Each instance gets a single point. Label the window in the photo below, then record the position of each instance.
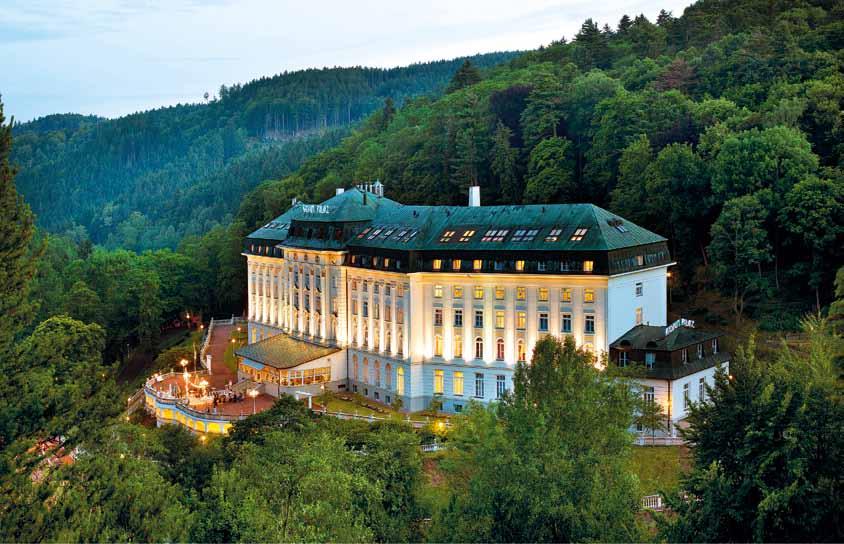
(479, 348)
(499, 266)
(589, 324)
(446, 236)
(377, 373)
(588, 296)
(354, 307)
(438, 264)
(438, 291)
(520, 351)
(553, 235)
(565, 294)
(458, 317)
(467, 235)
(639, 289)
(566, 323)
(457, 291)
(365, 308)
(541, 266)
(479, 386)
(499, 349)
(714, 346)
(400, 380)
(388, 313)
(650, 359)
(700, 351)
(456, 264)
(438, 317)
(521, 293)
(684, 355)
(399, 315)
(648, 394)
(638, 316)
(499, 293)
(457, 384)
(579, 234)
(494, 235)
(686, 398)
(543, 321)
(640, 260)
(388, 374)
(477, 265)
(499, 319)
(623, 358)
(588, 266)
(479, 293)
(458, 347)
(500, 386)
(479, 319)
(438, 382)
(458, 408)
(521, 320)
(520, 266)
(542, 294)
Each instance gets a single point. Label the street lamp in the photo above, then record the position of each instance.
(253, 393)
(203, 384)
(186, 375)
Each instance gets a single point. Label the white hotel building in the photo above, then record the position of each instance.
(361, 293)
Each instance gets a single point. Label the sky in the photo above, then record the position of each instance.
(114, 57)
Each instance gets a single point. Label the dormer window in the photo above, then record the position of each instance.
(446, 236)
(554, 235)
(467, 235)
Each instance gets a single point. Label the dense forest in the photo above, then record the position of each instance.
(181, 170)
(721, 129)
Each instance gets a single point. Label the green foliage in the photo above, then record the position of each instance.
(551, 172)
(550, 462)
(767, 450)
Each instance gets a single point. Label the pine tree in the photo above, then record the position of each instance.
(624, 24)
(503, 164)
(465, 76)
(17, 258)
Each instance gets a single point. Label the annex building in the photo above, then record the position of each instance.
(391, 301)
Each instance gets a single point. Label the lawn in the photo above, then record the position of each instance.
(229, 358)
(659, 467)
(361, 406)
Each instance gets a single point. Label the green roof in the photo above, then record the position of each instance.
(283, 351)
(387, 224)
(654, 338)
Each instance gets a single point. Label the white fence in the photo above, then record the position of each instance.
(652, 502)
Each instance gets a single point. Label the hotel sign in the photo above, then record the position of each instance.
(317, 208)
(679, 323)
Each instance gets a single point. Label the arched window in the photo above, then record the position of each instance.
(355, 369)
(400, 380)
(365, 334)
(438, 346)
(365, 370)
(520, 350)
(388, 371)
(399, 343)
(377, 373)
(479, 348)
(499, 349)
(387, 346)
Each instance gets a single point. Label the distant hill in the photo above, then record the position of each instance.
(147, 179)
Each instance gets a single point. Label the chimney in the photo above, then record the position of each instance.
(339, 191)
(474, 196)
(294, 201)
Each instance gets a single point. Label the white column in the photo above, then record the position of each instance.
(250, 269)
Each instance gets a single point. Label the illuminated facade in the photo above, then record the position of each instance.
(423, 302)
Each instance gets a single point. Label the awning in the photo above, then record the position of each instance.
(256, 366)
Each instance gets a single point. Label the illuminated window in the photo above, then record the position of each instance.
(521, 320)
(438, 346)
(455, 264)
(521, 293)
(467, 235)
(588, 266)
(499, 349)
(553, 235)
(494, 235)
(520, 266)
(589, 296)
(499, 319)
(457, 383)
(457, 291)
(438, 382)
(520, 351)
(479, 292)
(400, 380)
(438, 264)
(640, 260)
(438, 291)
(638, 316)
(579, 234)
(499, 293)
(479, 348)
(565, 294)
(446, 236)
(458, 346)
(543, 294)
(478, 265)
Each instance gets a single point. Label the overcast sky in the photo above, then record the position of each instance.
(113, 57)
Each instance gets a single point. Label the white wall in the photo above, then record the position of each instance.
(622, 300)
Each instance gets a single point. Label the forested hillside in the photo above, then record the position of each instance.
(721, 129)
(182, 169)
